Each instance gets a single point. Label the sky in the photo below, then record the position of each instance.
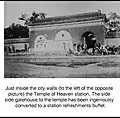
(13, 9)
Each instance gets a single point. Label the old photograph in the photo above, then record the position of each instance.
(61, 39)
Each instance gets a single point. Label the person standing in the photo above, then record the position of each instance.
(26, 47)
(13, 48)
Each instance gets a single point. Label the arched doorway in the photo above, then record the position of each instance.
(89, 39)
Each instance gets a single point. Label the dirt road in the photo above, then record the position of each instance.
(109, 69)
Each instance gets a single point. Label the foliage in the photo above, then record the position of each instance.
(34, 17)
(16, 31)
(113, 16)
(19, 31)
(113, 22)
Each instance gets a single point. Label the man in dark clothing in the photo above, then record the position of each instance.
(25, 47)
(13, 48)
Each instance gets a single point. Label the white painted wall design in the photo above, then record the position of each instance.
(63, 35)
(62, 42)
(65, 39)
(40, 42)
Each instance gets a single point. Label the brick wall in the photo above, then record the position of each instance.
(75, 32)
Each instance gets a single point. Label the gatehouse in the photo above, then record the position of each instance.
(62, 33)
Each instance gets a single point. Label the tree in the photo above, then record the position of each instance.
(113, 16)
(42, 15)
(113, 21)
(25, 18)
(16, 31)
(33, 18)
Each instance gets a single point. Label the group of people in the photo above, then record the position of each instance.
(12, 49)
(98, 49)
(92, 47)
(89, 47)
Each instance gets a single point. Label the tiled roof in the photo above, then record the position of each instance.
(69, 18)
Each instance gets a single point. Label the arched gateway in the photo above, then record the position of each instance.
(89, 39)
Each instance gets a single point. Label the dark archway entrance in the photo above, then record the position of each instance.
(89, 39)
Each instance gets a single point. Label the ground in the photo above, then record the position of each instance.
(62, 67)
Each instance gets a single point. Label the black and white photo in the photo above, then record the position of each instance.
(62, 39)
